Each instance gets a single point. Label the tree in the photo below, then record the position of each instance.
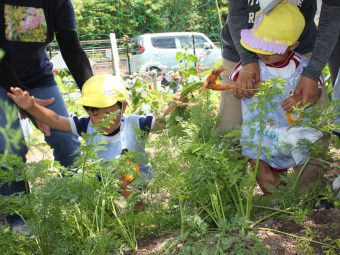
(98, 18)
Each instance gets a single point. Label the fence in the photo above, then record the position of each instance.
(99, 53)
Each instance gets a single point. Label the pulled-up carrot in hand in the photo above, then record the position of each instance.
(212, 83)
(220, 87)
(211, 80)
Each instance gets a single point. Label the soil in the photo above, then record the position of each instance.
(322, 223)
(153, 246)
(38, 149)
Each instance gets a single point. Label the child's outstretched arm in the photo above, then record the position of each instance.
(26, 102)
(177, 101)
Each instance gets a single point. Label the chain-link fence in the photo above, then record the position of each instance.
(99, 53)
(143, 53)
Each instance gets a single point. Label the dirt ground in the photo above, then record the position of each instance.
(323, 224)
(38, 149)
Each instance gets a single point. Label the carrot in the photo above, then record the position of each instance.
(212, 83)
(212, 77)
(220, 87)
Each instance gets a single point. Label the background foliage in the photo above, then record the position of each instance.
(97, 18)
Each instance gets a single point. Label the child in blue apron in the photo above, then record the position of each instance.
(273, 38)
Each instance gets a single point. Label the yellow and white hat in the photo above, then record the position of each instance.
(103, 90)
(274, 32)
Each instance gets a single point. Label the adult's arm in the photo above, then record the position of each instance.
(237, 20)
(328, 32)
(74, 56)
(250, 74)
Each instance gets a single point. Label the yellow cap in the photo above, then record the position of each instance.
(103, 90)
(274, 32)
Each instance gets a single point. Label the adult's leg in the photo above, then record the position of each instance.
(334, 61)
(315, 169)
(20, 149)
(336, 97)
(230, 114)
(64, 144)
(336, 89)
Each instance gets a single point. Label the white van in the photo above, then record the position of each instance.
(158, 51)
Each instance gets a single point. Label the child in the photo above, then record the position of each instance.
(273, 38)
(102, 95)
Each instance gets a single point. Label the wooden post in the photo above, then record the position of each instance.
(194, 48)
(154, 79)
(115, 55)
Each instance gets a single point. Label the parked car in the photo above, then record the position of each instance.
(158, 51)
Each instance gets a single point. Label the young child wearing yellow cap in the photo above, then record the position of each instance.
(102, 95)
(273, 38)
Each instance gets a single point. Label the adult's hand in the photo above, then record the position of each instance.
(44, 102)
(248, 80)
(309, 90)
(45, 129)
(290, 102)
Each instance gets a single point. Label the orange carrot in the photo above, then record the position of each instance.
(212, 77)
(220, 87)
(212, 83)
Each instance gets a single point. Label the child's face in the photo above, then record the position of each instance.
(271, 59)
(97, 116)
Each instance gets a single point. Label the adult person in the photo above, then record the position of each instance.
(26, 28)
(274, 44)
(327, 48)
(241, 16)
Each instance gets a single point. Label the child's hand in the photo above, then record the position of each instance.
(248, 80)
(291, 101)
(21, 98)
